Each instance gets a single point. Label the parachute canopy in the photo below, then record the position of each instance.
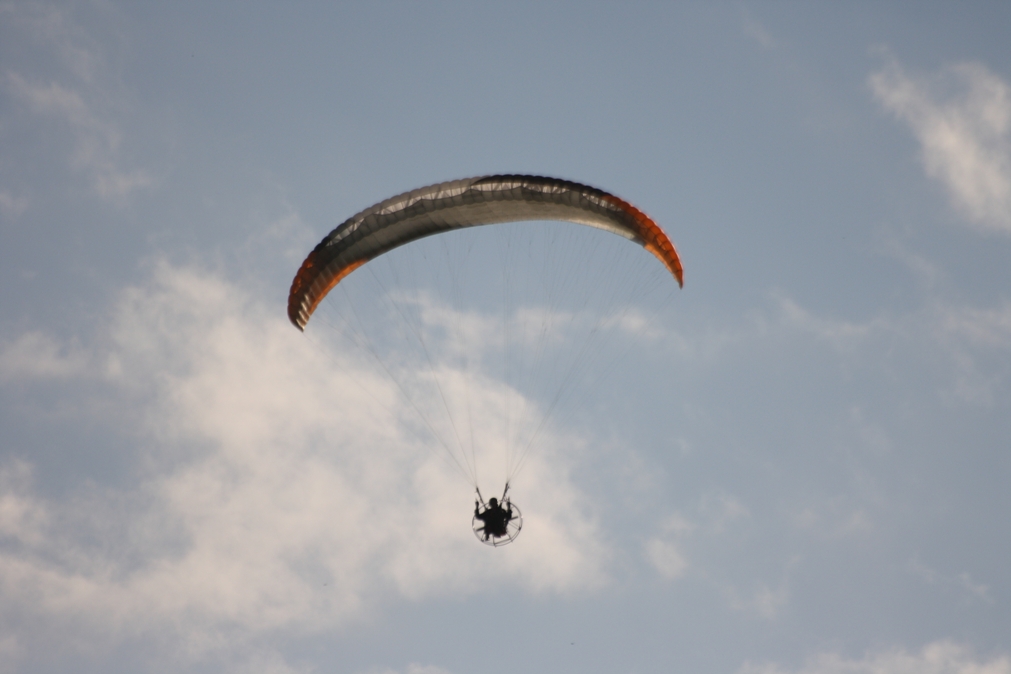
(466, 203)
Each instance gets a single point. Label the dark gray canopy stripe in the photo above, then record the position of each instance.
(465, 203)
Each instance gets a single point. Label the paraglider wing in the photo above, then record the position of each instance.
(466, 203)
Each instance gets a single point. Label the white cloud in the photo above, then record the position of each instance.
(12, 206)
(663, 551)
(764, 601)
(22, 517)
(940, 657)
(35, 355)
(768, 601)
(666, 558)
(962, 118)
(413, 668)
(274, 493)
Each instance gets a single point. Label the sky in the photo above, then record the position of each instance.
(798, 464)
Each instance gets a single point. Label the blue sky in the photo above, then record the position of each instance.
(802, 467)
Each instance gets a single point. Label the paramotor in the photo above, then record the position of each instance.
(535, 335)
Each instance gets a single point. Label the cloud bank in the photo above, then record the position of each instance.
(269, 495)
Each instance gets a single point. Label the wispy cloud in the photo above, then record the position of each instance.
(35, 355)
(967, 344)
(53, 27)
(764, 600)
(76, 96)
(940, 657)
(666, 549)
(963, 582)
(841, 334)
(663, 551)
(12, 206)
(989, 327)
(754, 29)
(97, 141)
(962, 118)
(976, 341)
